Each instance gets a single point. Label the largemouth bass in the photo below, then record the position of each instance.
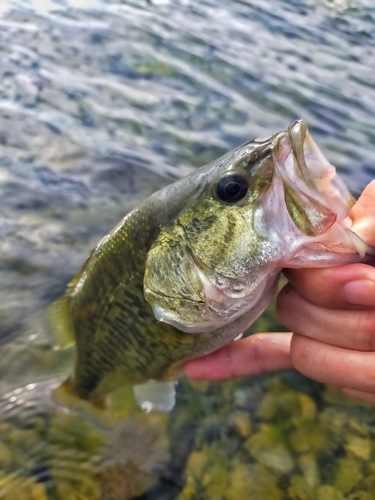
(195, 264)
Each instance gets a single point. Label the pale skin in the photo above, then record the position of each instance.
(333, 339)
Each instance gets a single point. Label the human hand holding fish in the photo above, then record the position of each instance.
(332, 314)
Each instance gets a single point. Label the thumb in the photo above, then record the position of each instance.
(362, 215)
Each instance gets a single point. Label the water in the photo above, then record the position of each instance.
(100, 106)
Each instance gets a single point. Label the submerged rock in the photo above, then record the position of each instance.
(242, 423)
(308, 437)
(299, 489)
(15, 487)
(310, 469)
(267, 447)
(253, 482)
(327, 492)
(123, 482)
(348, 474)
(133, 457)
(359, 446)
(361, 495)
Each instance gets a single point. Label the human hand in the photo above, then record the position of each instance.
(335, 336)
(334, 339)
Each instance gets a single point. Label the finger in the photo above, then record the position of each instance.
(364, 396)
(343, 287)
(363, 215)
(344, 328)
(334, 365)
(260, 353)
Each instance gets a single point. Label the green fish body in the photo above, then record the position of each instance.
(194, 265)
(118, 340)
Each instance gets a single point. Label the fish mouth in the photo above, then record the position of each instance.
(304, 176)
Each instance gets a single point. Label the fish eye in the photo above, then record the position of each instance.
(232, 188)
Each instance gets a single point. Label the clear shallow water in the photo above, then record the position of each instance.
(100, 106)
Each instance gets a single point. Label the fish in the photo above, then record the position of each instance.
(191, 267)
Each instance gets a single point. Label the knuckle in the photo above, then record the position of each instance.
(284, 301)
(365, 330)
(258, 359)
(255, 359)
(301, 355)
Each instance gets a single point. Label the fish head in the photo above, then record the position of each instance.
(274, 202)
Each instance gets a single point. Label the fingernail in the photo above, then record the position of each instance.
(347, 222)
(364, 227)
(282, 339)
(360, 292)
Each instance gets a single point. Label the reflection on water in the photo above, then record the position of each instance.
(100, 106)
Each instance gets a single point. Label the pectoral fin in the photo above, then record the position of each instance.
(155, 395)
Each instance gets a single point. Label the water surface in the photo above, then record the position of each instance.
(102, 105)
